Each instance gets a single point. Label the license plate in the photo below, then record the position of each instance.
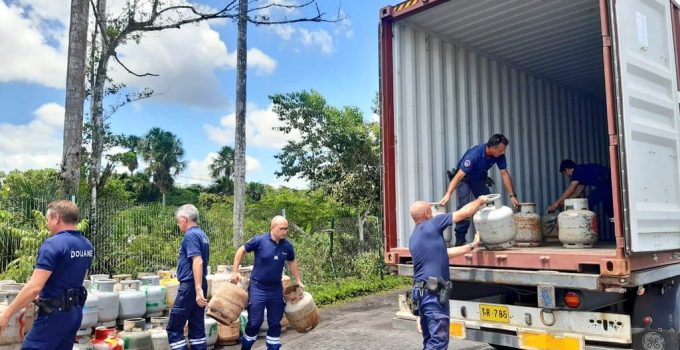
(545, 341)
(494, 313)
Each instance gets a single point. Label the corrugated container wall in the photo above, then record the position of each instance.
(448, 98)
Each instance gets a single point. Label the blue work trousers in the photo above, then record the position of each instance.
(185, 309)
(56, 331)
(261, 297)
(434, 319)
(602, 194)
(466, 192)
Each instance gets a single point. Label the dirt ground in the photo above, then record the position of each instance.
(365, 324)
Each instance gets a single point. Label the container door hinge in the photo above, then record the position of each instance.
(606, 41)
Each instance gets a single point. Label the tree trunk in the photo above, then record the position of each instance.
(240, 134)
(361, 218)
(96, 115)
(75, 96)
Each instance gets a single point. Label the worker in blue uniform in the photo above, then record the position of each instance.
(271, 250)
(431, 278)
(470, 180)
(62, 263)
(595, 176)
(192, 268)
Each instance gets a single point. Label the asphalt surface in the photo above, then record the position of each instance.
(365, 324)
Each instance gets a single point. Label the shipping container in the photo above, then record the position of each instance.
(590, 80)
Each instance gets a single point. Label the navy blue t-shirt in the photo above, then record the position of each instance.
(68, 254)
(591, 175)
(269, 258)
(475, 164)
(428, 248)
(194, 243)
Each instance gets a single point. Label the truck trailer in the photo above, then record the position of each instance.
(595, 81)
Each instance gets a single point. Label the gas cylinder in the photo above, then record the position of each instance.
(577, 224)
(106, 338)
(550, 227)
(439, 210)
(210, 332)
(27, 314)
(156, 296)
(228, 334)
(12, 335)
(495, 224)
(227, 303)
(215, 280)
(90, 311)
(118, 278)
(159, 336)
(132, 301)
(302, 314)
(108, 302)
(95, 278)
(134, 335)
(171, 285)
(527, 226)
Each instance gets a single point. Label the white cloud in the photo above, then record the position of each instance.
(375, 118)
(319, 38)
(35, 145)
(198, 170)
(34, 50)
(260, 62)
(186, 61)
(294, 182)
(25, 52)
(259, 129)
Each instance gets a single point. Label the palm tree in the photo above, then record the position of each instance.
(163, 151)
(222, 169)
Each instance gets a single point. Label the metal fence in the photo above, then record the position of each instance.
(131, 238)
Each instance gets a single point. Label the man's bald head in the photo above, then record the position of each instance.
(277, 220)
(420, 211)
(279, 228)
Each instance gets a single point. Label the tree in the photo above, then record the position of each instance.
(75, 98)
(337, 151)
(163, 152)
(240, 129)
(223, 165)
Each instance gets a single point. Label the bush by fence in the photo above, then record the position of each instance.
(144, 237)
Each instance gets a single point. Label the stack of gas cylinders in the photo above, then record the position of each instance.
(501, 228)
(123, 313)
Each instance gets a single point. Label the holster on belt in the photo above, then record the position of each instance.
(65, 303)
(437, 285)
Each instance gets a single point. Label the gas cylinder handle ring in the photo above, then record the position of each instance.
(491, 198)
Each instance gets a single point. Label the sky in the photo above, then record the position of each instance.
(195, 88)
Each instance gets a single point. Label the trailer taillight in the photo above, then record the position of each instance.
(572, 299)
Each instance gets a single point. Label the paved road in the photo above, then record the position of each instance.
(365, 324)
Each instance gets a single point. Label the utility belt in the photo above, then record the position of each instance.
(488, 182)
(70, 298)
(433, 285)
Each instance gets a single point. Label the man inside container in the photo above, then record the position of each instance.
(62, 262)
(431, 277)
(265, 291)
(192, 269)
(470, 180)
(595, 176)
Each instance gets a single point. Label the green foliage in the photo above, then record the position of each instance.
(347, 288)
(336, 151)
(30, 239)
(163, 151)
(18, 186)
